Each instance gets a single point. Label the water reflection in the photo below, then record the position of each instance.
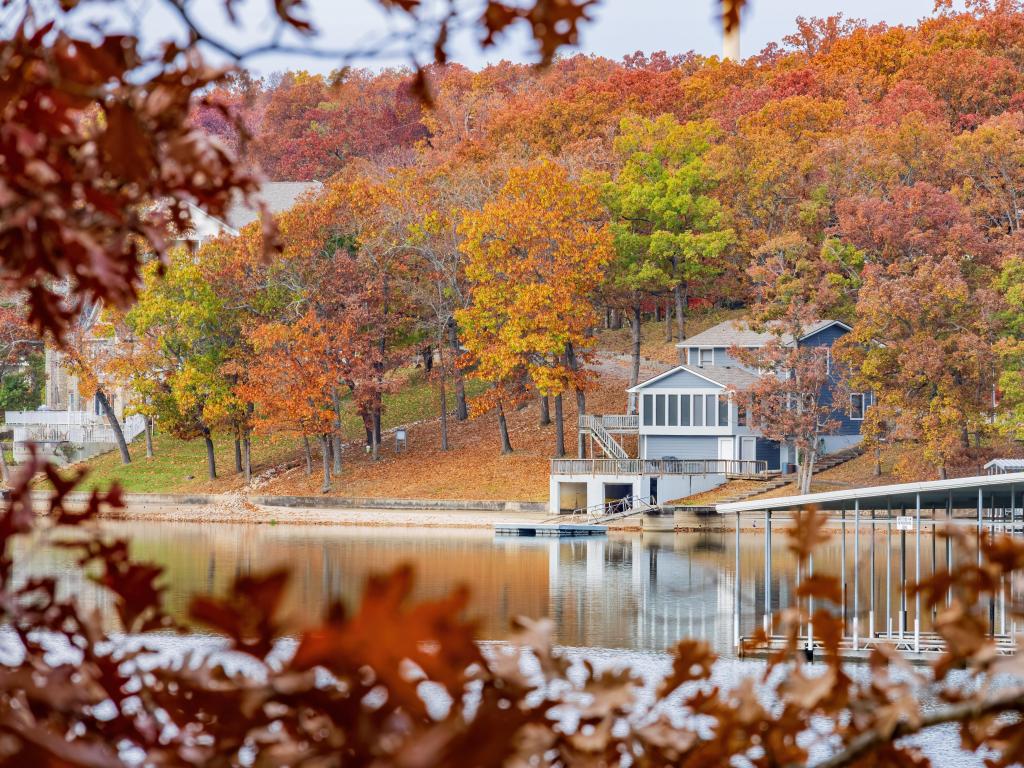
(625, 591)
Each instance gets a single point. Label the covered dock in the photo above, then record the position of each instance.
(876, 606)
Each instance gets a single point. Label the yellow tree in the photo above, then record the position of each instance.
(536, 254)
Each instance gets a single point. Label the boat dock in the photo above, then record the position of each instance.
(549, 529)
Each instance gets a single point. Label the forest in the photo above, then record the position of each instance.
(865, 173)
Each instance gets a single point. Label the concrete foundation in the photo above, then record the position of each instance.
(594, 490)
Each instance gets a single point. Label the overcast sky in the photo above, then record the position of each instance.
(620, 27)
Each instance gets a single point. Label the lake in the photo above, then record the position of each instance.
(627, 591)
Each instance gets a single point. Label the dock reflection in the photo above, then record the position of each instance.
(636, 591)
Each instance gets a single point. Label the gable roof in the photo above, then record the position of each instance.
(279, 197)
(720, 375)
(738, 333)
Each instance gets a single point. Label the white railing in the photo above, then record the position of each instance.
(657, 467)
(612, 423)
(63, 418)
(76, 427)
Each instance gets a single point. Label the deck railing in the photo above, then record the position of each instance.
(657, 467)
(612, 423)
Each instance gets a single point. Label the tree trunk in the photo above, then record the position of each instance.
(574, 366)
(679, 293)
(309, 455)
(878, 460)
(211, 460)
(428, 358)
(545, 411)
(634, 374)
(616, 320)
(461, 409)
(247, 444)
(238, 455)
(443, 405)
(115, 426)
(506, 444)
(149, 437)
(336, 438)
(376, 434)
(5, 472)
(807, 469)
(559, 428)
(668, 322)
(325, 459)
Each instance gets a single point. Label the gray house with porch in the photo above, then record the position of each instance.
(690, 434)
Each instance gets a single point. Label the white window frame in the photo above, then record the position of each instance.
(863, 405)
(700, 356)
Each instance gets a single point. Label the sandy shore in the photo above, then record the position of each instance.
(240, 510)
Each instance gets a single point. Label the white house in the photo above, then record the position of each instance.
(691, 436)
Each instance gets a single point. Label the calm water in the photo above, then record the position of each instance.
(619, 598)
(626, 591)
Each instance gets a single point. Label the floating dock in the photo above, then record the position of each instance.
(549, 529)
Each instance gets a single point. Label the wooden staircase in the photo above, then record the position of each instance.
(824, 463)
(837, 458)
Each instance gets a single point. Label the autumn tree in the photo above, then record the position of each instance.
(923, 345)
(1010, 349)
(188, 333)
(669, 231)
(292, 379)
(789, 402)
(535, 256)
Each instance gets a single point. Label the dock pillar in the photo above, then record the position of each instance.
(856, 573)
(736, 589)
(917, 575)
(659, 520)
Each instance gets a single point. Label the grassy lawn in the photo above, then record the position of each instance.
(179, 466)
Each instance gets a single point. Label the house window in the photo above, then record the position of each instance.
(659, 410)
(707, 357)
(723, 411)
(684, 410)
(648, 410)
(828, 360)
(673, 411)
(857, 405)
(710, 411)
(698, 410)
(741, 415)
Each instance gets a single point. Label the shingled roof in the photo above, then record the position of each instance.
(279, 197)
(723, 375)
(737, 333)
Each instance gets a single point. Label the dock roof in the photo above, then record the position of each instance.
(1001, 491)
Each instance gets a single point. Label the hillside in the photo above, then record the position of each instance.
(473, 468)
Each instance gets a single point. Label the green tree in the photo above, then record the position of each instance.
(186, 335)
(669, 231)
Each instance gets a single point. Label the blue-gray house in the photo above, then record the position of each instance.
(690, 434)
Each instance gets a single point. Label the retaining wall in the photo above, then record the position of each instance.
(317, 502)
